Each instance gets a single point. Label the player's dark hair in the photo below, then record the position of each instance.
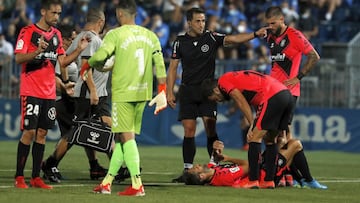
(274, 11)
(66, 30)
(190, 13)
(207, 87)
(128, 5)
(192, 179)
(94, 14)
(45, 4)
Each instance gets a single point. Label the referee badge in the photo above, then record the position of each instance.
(205, 48)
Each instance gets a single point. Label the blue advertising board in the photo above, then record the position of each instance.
(317, 128)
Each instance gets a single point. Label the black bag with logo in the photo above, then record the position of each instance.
(92, 133)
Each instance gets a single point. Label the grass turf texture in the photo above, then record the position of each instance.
(337, 170)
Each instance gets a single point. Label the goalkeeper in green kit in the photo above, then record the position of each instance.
(129, 51)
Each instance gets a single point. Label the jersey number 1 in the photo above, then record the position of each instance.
(139, 54)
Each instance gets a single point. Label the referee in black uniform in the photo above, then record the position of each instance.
(196, 50)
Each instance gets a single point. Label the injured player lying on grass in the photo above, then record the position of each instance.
(233, 172)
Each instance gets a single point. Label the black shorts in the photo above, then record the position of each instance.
(193, 104)
(65, 109)
(83, 108)
(274, 113)
(294, 99)
(37, 113)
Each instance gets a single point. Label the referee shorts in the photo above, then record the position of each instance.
(193, 104)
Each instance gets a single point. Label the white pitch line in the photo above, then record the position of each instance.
(176, 184)
(148, 173)
(86, 185)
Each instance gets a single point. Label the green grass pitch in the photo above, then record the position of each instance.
(338, 170)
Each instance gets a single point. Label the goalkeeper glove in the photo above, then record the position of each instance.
(84, 71)
(109, 64)
(159, 99)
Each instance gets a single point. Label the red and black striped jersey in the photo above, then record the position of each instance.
(256, 87)
(227, 175)
(286, 53)
(38, 76)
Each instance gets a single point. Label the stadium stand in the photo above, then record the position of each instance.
(329, 14)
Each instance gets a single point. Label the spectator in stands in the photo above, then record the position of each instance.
(308, 24)
(11, 34)
(248, 47)
(291, 15)
(214, 7)
(6, 48)
(233, 15)
(156, 7)
(79, 15)
(22, 15)
(6, 8)
(173, 14)
(142, 17)
(161, 29)
(6, 57)
(110, 13)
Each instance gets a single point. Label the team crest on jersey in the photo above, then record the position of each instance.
(52, 113)
(280, 162)
(55, 41)
(282, 43)
(205, 48)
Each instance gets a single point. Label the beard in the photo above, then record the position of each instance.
(51, 23)
(277, 32)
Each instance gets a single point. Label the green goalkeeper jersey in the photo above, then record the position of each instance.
(137, 50)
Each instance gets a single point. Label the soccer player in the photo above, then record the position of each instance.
(135, 50)
(234, 172)
(38, 48)
(287, 45)
(196, 50)
(273, 102)
(90, 98)
(64, 102)
(288, 161)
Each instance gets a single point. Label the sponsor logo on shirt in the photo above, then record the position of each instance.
(48, 55)
(278, 57)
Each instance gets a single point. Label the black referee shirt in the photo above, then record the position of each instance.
(197, 55)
